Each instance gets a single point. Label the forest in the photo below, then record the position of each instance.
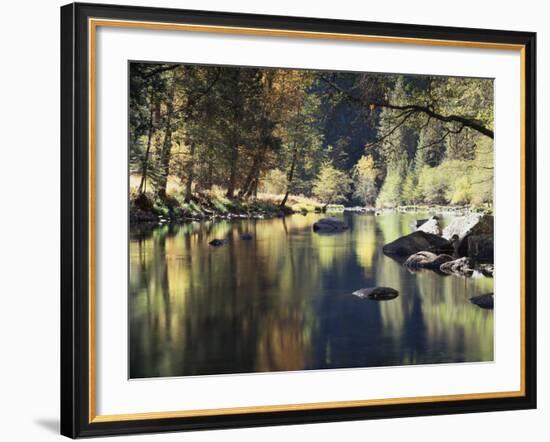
(215, 140)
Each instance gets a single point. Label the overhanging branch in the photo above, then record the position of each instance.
(413, 108)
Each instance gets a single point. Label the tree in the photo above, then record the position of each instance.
(462, 102)
(164, 154)
(299, 131)
(405, 139)
(275, 182)
(433, 185)
(391, 191)
(147, 87)
(482, 177)
(431, 145)
(365, 175)
(332, 185)
(409, 191)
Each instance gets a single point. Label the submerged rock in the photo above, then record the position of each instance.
(427, 260)
(329, 225)
(377, 293)
(485, 301)
(430, 225)
(217, 242)
(247, 236)
(461, 266)
(417, 242)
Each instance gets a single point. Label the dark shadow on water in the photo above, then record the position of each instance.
(50, 424)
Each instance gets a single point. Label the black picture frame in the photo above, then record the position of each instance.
(75, 221)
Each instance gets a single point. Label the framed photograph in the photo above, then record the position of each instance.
(275, 220)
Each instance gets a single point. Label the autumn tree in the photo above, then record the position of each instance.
(332, 185)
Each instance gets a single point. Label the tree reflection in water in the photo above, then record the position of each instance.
(283, 300)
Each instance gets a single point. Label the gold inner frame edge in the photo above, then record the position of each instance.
(93, 24)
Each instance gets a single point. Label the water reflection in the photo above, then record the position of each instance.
(283, 300)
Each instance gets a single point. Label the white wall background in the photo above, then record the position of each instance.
(29, 220)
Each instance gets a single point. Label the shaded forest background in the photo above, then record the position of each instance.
(214, 138)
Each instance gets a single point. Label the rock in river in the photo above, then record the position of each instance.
(417, 242)
(461, 266)
(487, 270)
(377, 293)
(430, 225)
(217, 242)
(247, 236)
(461, 228)
(481, 247)
(427, 260)
(486, 301)
(329, 225)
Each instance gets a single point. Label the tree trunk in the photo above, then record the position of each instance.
(232, 176)
(142, 184)
(190, 173)
(210, 176)
(255, 188)
(247, 187)
(232, 182)
(290, 175)
(166, 145)
(283, 202)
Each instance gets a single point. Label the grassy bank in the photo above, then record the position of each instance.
(148, 207)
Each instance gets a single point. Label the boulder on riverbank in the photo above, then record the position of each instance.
(430, 225)
(486, 301)
(377, 293)
(460, 229)
(329, 225)
(417, 242)
(481, 248)
(427, 260)
(461, 267)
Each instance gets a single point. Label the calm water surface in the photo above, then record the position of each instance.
(283, 300)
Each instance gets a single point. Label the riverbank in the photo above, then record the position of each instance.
(147, 208)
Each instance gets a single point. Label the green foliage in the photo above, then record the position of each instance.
(431, 145)
(332, 185)
(410, 194)
(217, 137)
(460, 182)
(482, 179)
(462, 191)
(390, 193)
(433, 185)
(275, 182)
(365, 175)
(220, 205)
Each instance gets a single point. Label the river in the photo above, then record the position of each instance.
(283, 301)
